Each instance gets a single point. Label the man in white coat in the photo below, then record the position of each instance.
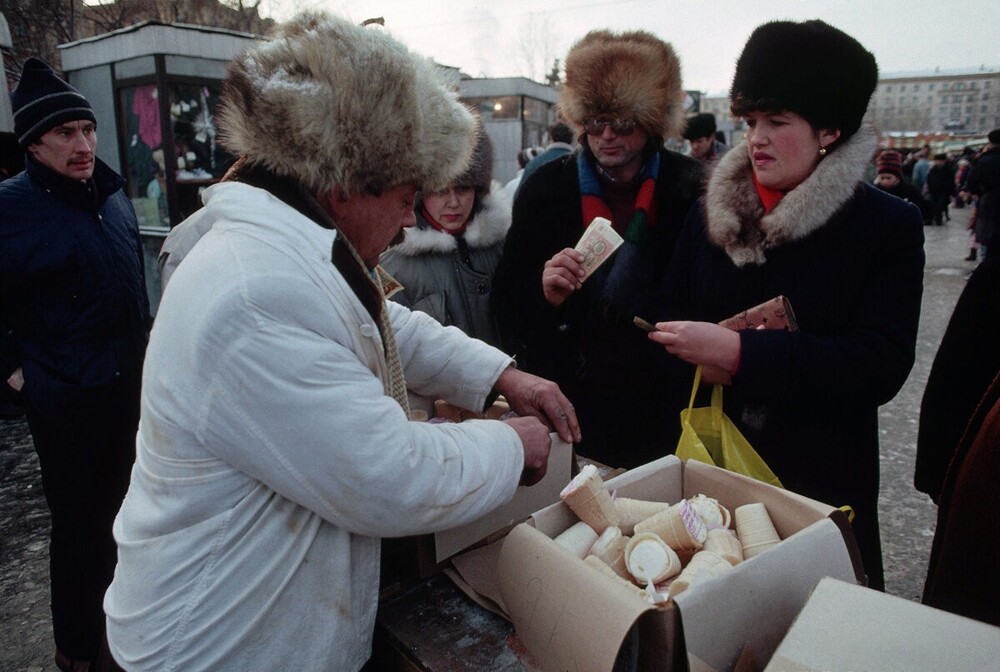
(274, 446)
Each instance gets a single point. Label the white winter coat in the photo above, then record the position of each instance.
(270, 460)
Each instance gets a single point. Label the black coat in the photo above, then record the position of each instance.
(73, 306)
(592, 349)
(984, 181)
(850, 260)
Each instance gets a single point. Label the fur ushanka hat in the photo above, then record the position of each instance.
(479, 172)
(631, 75)
(811, 68)
(328, 102)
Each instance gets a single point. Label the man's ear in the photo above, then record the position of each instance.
(335, 199)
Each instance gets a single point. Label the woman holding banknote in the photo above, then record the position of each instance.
(790, 215)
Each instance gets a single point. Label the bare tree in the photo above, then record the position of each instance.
(535, 45)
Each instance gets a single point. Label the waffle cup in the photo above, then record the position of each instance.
(755, 529)
(679, 526)
(703, 566)
(589, 499)
(610, 547)
(714, 514)
(600, 566)
(632, 511)
(725, 544)
(577, 539)
(650, 560)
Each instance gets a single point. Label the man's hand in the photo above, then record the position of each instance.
(536, 442)
(562, 275)
(530, 395)
(16, 379)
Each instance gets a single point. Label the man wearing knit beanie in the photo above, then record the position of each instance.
(74, 319)
(275, 446)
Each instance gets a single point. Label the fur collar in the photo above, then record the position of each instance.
(488, 226)
(735, 216)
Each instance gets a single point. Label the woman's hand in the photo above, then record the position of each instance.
(700, 343)
(16, 380)
(562, 275)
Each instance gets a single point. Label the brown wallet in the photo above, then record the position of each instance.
(775, 313)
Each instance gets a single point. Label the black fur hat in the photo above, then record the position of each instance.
(700, 125)
(810, 68)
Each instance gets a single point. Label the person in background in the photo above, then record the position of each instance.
(791, 215)
(700, 133)
(940, 188)
(889, 178)
(560, 144)
(623, 95)
(958, 453)
(920, 168)
(524, 157)
(446, 262)
(275, 447)
(984, 184)
(74, 317)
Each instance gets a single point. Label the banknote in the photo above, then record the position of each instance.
(390, 285)
(598, 243)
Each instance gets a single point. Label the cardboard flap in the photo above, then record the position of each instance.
(526, 501)
(849, 627)
(475, 574)
(569, 615)
(715, 632)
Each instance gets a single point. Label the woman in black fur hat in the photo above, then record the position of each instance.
(791, 215)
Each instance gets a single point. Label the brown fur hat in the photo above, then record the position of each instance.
(632, 74)
(479, 172)
(331, 103)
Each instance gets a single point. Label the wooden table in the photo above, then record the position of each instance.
(435, 627)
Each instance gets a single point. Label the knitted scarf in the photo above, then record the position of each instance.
(622, 273)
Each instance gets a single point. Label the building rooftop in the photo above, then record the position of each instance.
(940, 72)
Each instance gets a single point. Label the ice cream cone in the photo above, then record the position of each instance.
(650, 560)
(714, 514)
(600, 566)
(725, 544)
(679, 526)
(704, 565)
(610, 547)
(755, 529)
(589, 499)
(632, 511)
(577, 539)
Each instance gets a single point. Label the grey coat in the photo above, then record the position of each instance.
(435, 278)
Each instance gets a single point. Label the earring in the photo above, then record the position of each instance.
(822, 152)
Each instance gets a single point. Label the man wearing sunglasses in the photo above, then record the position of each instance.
(623, 95)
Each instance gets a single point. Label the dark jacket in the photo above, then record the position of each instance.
(966, 362)
(984, 182)
(910, 194)
(592, 349)
(962, 573)
(73, 306)
(941, 180)
(850, 260)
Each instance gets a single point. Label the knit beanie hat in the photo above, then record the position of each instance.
(632, 75)
(889, 162)
(810, 68)
(700, 126)
(330, 103)
(41, 101)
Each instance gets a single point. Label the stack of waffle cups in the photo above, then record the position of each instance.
(755, 529)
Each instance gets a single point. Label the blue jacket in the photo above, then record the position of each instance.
(73, 306)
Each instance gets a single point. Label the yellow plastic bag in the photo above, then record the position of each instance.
(708, 436)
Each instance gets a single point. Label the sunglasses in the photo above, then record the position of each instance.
(618, 126)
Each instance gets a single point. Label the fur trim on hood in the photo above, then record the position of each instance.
(488, 227)
(628, 75)
(331, 103)
(735, 216)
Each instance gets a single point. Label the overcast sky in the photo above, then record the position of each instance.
(519, 37)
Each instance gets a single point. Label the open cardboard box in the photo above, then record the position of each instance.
(847, 627)
(570, 617)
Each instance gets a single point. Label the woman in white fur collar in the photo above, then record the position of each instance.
(446, 262)
(790, 215)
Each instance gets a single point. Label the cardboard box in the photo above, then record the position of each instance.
(570, 617)
(847, 627)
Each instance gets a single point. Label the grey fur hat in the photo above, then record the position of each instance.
(628, 75)
(331, 103)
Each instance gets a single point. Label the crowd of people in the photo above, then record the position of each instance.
(237, 460)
